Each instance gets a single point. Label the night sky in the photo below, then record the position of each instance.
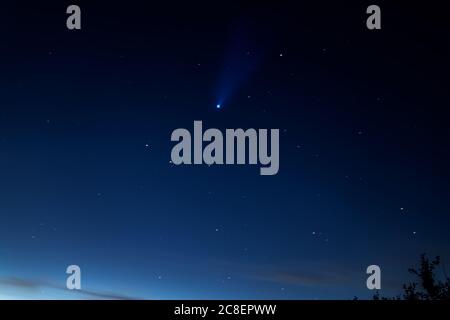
(85, 123)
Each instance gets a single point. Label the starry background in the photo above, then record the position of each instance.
(85, 172)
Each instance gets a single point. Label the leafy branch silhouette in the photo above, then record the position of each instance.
(429, 287)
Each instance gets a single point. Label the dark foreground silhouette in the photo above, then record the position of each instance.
(428, 287)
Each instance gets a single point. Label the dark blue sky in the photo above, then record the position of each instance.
(85, 124)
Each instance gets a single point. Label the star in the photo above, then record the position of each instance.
(218, 106)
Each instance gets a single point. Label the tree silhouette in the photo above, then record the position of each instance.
(429, 286)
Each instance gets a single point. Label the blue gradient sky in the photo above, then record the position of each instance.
(85, 124)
